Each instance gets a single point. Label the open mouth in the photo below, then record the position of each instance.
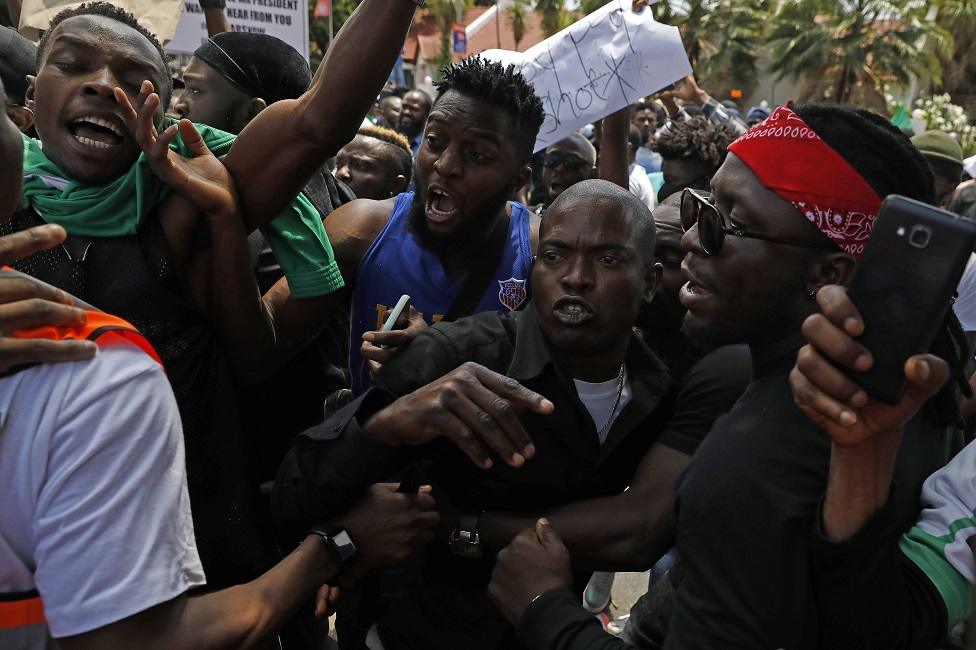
(441, 206)
(96, 132)
(692, 294)
(570, 311)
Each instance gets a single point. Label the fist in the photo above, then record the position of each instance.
(535, 562)
(388, 526)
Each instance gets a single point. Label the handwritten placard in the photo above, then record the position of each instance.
(284, 19)
(596, 66)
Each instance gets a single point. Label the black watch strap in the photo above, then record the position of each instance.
(340, 545)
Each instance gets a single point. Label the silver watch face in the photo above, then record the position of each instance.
(343, 539)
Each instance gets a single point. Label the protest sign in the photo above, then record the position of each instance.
(159, 16)
(284, 19)
(604, 62)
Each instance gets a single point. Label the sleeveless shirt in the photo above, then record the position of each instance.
(396, 263)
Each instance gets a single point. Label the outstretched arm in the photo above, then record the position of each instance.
(278, 152)
(625, 532)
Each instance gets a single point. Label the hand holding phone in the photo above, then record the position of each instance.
(902, 287)
(398, 310)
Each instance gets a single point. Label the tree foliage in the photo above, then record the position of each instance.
(847, 50)
(554, 15)
(518, 18)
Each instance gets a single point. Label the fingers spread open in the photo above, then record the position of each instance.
(37, 312)
(15, 352)
(518, 395)
(457, 431)
(494, 424)
(25, 243)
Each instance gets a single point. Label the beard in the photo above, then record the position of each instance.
(472, 233)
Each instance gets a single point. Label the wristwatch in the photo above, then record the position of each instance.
(465, 540)
(340, 545)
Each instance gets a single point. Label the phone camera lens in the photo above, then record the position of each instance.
(920, 236)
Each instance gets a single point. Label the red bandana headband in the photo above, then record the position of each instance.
(794, 162)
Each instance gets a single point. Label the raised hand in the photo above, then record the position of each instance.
(535, 562)
(203, 179)
(473, 406)
(388, 526)
(378, 347)
(27, 303)
(687, 90)
(830, 398)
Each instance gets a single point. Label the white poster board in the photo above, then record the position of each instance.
(158, 16)
(598, 65)
(284, 19)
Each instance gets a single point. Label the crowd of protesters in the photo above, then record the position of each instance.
(630, 350)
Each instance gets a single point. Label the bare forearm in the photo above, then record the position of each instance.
(243, 616)
(614, 156)
(858, 484)
(612, 534)
(217, 22)
(629, 531)
(245, 326)
(239, 617)
(286, 143)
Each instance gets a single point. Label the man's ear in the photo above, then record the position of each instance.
(521, 178)
(29, 95)
(399, 185)
(21, 116)
(247, 111)
(254, 107)
(652, 280)
(833, 268)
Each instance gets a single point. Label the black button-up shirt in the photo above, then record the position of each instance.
(332, 464)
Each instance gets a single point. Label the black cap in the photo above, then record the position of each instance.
(18, 58)
(260, 65)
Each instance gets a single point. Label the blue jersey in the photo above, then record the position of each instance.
(397, 264)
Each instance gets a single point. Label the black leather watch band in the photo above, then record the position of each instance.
(340, 545)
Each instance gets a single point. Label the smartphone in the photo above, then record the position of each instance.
(402, 304)
(903, 285)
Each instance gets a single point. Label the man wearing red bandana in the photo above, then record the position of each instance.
(788, 212)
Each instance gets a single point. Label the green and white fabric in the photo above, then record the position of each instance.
(939, 543)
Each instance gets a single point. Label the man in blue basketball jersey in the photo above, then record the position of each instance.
(458, 238)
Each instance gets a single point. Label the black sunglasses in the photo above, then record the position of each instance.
(568, 162)
(697, 207)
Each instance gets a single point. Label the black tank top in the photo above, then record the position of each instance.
(134, 278)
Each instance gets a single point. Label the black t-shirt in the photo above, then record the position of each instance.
(744, 511)
(708, 390)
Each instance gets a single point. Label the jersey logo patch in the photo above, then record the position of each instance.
(511, 293)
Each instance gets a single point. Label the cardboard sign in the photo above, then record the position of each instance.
(604, 62)
(284, 19)
(158, 16)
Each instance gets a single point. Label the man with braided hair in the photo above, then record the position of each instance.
(759, 248)
(691, 152)
(377, 164)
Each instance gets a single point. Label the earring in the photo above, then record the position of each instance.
(812, 294)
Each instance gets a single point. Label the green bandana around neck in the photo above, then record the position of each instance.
(297, 237)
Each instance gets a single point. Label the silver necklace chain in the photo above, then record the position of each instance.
(616, 402)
